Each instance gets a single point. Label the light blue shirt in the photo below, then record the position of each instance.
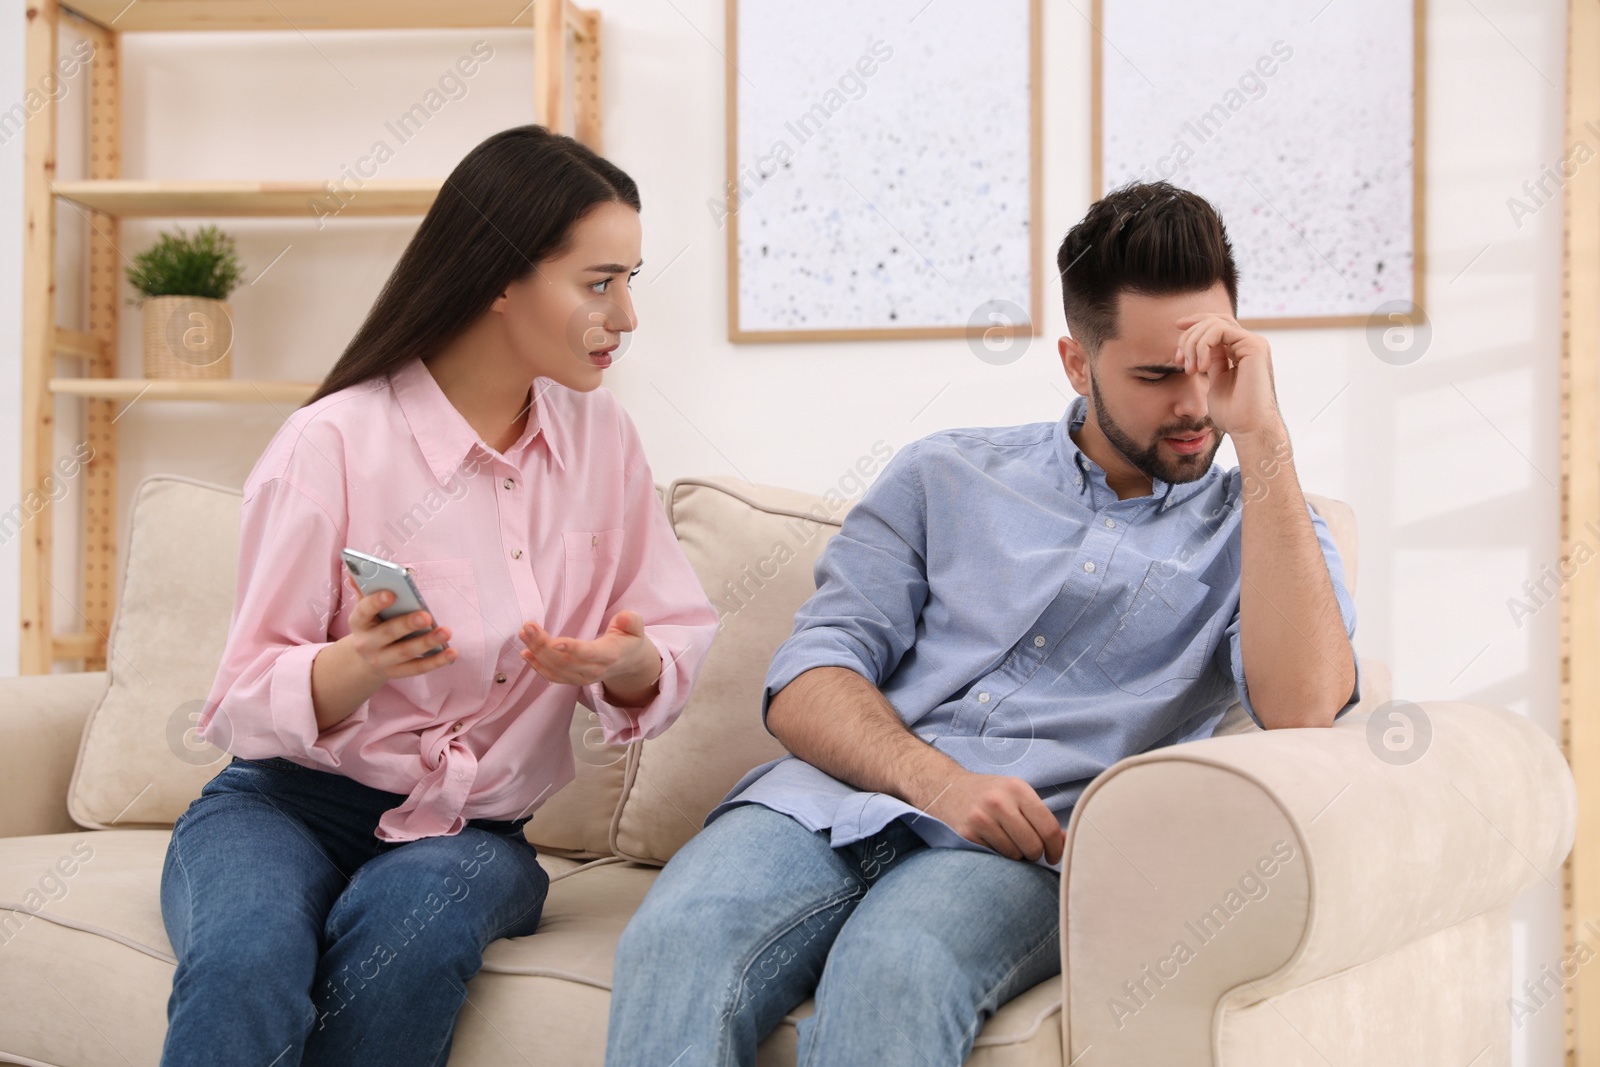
(1022, 620)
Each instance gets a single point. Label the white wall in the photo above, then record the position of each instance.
(1452, 462)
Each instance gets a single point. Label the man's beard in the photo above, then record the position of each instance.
(1148, 460)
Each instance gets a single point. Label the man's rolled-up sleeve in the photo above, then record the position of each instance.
(1232, 659)
(872, 583)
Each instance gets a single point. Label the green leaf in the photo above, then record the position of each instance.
(206, 264)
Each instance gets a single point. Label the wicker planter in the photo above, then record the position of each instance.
(187, 337)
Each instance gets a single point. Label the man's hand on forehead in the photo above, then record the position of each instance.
(1238, 363)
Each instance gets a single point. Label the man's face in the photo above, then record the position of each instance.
(1151, 412)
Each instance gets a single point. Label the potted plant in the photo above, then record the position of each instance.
(184, 283)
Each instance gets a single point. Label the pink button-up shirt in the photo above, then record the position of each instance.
(563, 528)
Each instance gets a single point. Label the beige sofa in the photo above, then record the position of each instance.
(1267, 898)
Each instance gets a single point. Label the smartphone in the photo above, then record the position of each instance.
(373, 575)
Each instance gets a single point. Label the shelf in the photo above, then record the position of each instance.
(209, 199)
(122, 16)
(219, 391)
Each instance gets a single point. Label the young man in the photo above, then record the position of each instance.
(1004, 615)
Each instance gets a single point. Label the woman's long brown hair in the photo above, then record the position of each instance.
(505, 208)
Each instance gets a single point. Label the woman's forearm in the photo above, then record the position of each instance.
(340, 682)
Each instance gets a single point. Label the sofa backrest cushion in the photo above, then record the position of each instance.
(140, 762)
(753, 548)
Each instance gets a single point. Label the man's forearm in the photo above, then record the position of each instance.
(1297, 656)
(840, 723)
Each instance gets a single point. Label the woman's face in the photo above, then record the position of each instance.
(565, 320)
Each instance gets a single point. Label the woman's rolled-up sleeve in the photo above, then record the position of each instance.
(288, 592)
(655, 579)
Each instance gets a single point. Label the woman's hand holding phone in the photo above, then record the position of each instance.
(375, 651)
(383, 645)
(625, 660)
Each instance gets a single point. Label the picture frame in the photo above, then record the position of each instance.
(876, 220)
(1303, 262)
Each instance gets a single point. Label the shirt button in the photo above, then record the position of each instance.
(509, 484)
(1038, 642)
(455, 728)
(1111, 524)
(1089, 567)
(983, 698)
(516, 553)
(500, 677)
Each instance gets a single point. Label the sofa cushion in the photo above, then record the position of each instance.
(89, 968)
(140, 762)
(753, 548)
(575, 821)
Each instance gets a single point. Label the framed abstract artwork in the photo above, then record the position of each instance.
(1302, 122)
(882, 170)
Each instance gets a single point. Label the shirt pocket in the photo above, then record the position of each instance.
(588, 575)
(1164, 636)
(450, 590)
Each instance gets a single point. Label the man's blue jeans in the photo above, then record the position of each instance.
(303, 939)
(909, 949)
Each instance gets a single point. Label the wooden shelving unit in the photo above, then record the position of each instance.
(566, 97)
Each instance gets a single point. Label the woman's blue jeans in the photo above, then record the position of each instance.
(909, 949)
(303, 939)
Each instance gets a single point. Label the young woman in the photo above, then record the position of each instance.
(332, 890)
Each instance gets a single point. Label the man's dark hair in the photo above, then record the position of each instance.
(1152, 238)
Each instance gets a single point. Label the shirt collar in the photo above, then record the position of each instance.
(1084, 470)
(443, 434)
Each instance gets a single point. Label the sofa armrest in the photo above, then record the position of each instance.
(1212, 875)
(41, 725)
